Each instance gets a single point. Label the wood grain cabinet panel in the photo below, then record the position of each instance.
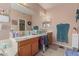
(35, 48)
(25, 50)
(50, 38)
(28, 47)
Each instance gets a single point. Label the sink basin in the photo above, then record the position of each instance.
(9, 48)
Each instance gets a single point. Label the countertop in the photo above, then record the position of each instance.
(29, 37)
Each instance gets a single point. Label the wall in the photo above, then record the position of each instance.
(15, 15)
(64, 13)
(4, 33)
(36, 8)
(36, 18)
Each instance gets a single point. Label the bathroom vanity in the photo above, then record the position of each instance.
(29, 45)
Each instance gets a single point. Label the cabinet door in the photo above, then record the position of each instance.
(35, 48)
(50, 38)
(25, 50)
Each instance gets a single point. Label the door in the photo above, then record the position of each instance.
(50, 38)
(25, 50)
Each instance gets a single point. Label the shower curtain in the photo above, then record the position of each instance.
(62, 32)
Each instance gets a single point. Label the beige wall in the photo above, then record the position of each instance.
(64, 13)
(36, 18)
(4, 33)
(15, 15)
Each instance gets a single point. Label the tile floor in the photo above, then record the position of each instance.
(52, 52)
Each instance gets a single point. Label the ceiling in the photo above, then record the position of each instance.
(48, 5)
(22, 9)
(28, 11)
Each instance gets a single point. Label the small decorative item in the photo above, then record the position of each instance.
(29, 23)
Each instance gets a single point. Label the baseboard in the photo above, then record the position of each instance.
(63, 46)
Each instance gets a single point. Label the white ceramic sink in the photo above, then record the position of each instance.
(9, 46)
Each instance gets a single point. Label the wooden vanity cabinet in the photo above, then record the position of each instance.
(25, 50)
(50, 38)
(28, 47)
(34, 46)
